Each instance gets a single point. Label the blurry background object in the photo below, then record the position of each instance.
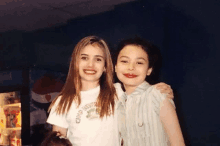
(44, 87)
(10, 118)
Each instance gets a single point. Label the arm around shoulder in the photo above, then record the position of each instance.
(171, 124)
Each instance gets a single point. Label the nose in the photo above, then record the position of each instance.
(90, 63)
(131, 66)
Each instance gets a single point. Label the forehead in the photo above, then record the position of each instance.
(92, 50)
(133, 51)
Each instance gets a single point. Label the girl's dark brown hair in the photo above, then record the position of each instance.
(153, 52)
(54, 139)
(71, 90)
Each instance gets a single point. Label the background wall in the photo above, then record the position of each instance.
(186, 31)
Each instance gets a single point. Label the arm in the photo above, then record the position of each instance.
(170, 122)
(62, 131)
(165, 88)
(58, 121)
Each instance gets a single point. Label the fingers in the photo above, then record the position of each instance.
(166, 89)
(170, 95)
(163, 86)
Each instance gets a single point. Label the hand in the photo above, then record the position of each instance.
(164, 88)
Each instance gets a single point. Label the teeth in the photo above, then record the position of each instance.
(90, 72)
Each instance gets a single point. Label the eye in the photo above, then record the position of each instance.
(124, 61)
(84, 58)
(99, 59)
(140, 63)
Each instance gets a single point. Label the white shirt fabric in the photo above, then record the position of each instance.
(85, 128)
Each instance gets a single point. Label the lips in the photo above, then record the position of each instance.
(130, 75)
(89, 71)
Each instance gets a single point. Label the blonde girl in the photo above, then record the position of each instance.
(84, 109)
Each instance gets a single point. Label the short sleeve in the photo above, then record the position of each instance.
(57, 119)
(157, 99)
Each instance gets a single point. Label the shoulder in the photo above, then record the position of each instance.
(157, 98)
(58, 103)
(117, 85)
(54, 104)
(156, 93)
(118, 89)
(57, 100)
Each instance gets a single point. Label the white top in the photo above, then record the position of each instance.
(85, 128)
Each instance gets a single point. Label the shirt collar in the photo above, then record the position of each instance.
(140, 89)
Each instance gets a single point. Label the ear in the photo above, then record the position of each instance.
(115, 68)
(149, 71)
(104, 69)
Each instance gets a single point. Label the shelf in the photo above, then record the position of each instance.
(14, 104)
(16, 128)
(10, 116)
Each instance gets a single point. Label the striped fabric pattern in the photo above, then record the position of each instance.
(138, 118)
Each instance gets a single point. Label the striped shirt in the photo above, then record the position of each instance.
(139, 117)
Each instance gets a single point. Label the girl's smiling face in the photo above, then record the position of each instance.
(132, 67)
(91, 64)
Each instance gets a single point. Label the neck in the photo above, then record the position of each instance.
(89, 85)
(129, 89)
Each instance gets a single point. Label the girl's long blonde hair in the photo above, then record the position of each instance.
(71, 90)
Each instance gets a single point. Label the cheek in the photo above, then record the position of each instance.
(101, 66)
(118, 68)
(147, 72)
(81, 63)
(142, 70)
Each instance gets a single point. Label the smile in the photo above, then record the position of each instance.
(89, 71)
(130, 75)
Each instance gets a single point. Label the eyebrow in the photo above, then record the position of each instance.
(95, 55)
(123, 56)
(137, 58)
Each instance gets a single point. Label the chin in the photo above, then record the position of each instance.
(132, 82)
(129, 83)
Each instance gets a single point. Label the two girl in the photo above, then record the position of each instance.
(84, 110)
(145, 116)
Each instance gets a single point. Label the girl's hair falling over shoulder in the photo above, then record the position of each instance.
(71, 90)
(54, 138)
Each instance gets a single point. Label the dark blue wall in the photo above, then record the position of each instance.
(187, 33)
